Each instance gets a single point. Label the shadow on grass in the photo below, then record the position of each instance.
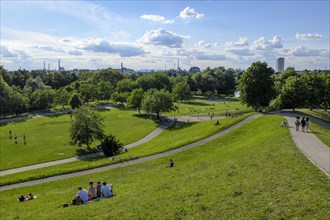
(197, 103)
(85, 151)
(180, 125)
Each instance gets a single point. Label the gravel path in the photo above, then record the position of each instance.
(131, 162)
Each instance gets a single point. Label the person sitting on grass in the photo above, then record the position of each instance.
(98, 189)
(106, 190)
(171, 164)
(283, 124)
(81, 196)
(92, 190)
(21, 198)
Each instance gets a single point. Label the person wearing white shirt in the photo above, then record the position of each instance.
(82, 194)
(106, 190)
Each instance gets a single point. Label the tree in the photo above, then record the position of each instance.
(292, 94)
(86, 126)
(62, 97)
(157, 101)
(104, 90)
(42, 99)
(181, 91)
(75, 101)
(87, 92)
(256, 85)
(325, 101)
(135, 99)
(111, 146)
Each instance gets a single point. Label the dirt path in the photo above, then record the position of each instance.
(131, 162)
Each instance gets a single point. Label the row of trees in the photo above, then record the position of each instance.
(260, 87)
(23, 91)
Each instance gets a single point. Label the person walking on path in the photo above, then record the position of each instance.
(297, 123)
(307, 123)
(303, 124)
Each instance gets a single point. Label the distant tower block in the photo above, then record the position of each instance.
(44, 65)
(59, 65)
(122, 67)
(280, 64)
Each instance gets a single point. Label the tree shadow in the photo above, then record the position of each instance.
(180, 125)
(84, 151)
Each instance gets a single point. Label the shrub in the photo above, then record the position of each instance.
(111, 146)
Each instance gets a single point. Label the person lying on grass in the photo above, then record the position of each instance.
(23, 198)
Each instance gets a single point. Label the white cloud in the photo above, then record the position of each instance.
(5, 52)
(100, 45)
(156, 18)
(75, 52)
(203, 44)
(49, 48)
(301, 51)
(162, 37)
(205, 56)
(8, 53)
(190, 13)
(243, 41)
(262, 44)
(240, 52)
(308, 36)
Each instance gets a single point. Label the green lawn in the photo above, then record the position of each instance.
(174, 137)
(318, 113)
(255, 172)
(48, 137)
(204, 106)
(321, 132)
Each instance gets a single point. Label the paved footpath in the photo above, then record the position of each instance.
(316, 151)
(131, 162)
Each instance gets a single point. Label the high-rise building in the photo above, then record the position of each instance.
(280, 64)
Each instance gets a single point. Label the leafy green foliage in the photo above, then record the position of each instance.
(75, 101)
(135, 98)
(86, 126)
(256, 85)
(157, 101)
(181, 91)
(111, 146)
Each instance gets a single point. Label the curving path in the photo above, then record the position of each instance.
(316, 151)
(150, 136)
(136, 161)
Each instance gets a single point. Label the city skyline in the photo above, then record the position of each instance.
(155, 34)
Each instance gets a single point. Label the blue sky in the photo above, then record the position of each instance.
(155, 34)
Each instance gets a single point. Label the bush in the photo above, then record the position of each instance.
(111, 146)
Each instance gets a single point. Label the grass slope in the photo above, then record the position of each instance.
(39, 132)
(321, 132)
(177, 135)
(255, 172)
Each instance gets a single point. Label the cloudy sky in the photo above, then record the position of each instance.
(155, 34)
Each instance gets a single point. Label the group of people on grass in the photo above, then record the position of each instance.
(94, 193)
(15, 137)
(304, 122)
(23, 198)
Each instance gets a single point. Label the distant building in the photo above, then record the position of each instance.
(280, 64)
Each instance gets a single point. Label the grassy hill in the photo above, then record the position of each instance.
(253, 172)
(48, 137)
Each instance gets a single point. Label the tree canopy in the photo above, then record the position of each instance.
(86, 126)
(256, 85)
(157, 101)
